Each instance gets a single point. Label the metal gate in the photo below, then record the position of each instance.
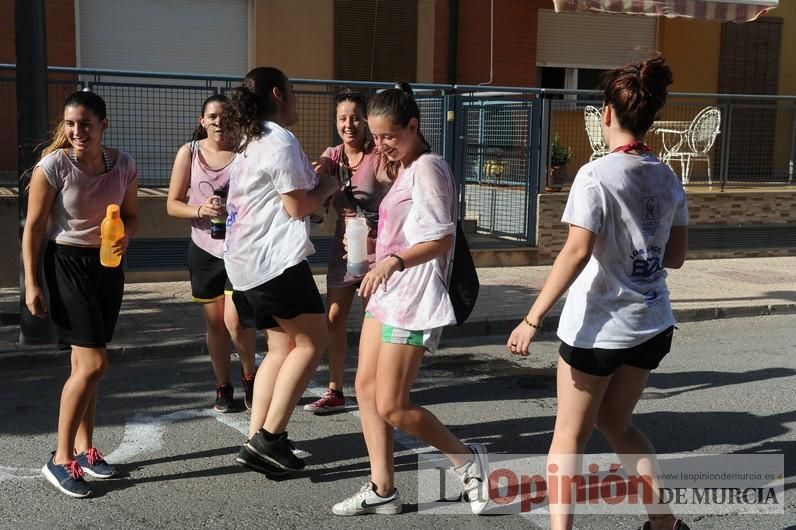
(497, 160)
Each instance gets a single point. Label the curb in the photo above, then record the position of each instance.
(26, 356)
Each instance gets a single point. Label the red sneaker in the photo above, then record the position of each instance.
(330, 402)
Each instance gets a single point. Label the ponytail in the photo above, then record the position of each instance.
(82, 98)
(251, 103)
(399, 105)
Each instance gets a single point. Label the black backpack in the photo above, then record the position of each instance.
(464, 284)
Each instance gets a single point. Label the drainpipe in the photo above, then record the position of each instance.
(32, 129)
(453, 40)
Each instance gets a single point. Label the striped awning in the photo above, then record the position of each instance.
(723, 10)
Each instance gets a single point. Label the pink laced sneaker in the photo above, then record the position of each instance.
(330, 402)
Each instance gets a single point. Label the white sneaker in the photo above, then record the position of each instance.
(367, 501)
(475, 479)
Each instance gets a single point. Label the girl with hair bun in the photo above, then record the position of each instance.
(70, 190)
(628, 217)
(272, 193)
(408, 307)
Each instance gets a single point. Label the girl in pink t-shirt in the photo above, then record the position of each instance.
(408, 308)
(203, 167)
(355, 162)
(70, 189)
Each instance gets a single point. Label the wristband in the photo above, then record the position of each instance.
(198, 212)
(401, 262)
(534, 326)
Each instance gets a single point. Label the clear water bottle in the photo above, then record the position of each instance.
(356, 233)
(111, 231)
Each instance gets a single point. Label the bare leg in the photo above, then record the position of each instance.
(309, 337)
(396, 372)
(615, 422)
(88, 366)
(578, 399)
(377, 432)
(339, 300)
(243, 338)
(279, 345)
(84, 439)
(218, 343)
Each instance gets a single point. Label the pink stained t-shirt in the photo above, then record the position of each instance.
(204, 180)
(81, 199)
(421, 206)
(368, 191)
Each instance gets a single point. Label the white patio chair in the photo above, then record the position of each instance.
(693, 144)
(592, 116)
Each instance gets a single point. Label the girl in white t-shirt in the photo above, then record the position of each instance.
(408, 307)
(267, 243)
(628, 218)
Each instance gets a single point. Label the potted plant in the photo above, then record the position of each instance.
(557, 172)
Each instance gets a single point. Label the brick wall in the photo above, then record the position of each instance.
(60, 31)
(704, 208)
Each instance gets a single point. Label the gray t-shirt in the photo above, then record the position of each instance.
(81, 199)
(620, 299)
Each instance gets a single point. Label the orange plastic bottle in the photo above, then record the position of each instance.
(111, 231)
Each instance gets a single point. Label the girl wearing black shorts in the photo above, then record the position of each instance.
(628, 217)
(203, 167)
(70, 188)
(271, 195)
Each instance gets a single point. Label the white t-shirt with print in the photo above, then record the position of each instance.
(421, 206)
(262, 239)
(620, 299)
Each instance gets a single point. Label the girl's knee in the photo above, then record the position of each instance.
(390, 411)
(612, 427)
(93, 369)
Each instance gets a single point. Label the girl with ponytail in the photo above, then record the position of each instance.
(408, 308)
(272, 192)
(628, 217)
(203, 167)
(70, 190)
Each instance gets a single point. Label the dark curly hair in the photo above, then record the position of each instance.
(250, 104)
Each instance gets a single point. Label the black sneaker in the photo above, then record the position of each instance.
(225, 401)
(248, 390)
(67, 477)
(247, 458)
(276, 452)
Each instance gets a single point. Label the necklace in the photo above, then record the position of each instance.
(106, 158)
(349, 165)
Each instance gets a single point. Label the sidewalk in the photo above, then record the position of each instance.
(158, 319)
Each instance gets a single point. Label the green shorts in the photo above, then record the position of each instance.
(426, 339)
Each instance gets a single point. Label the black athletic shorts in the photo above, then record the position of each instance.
(601, 362)
(287, 296)
(208, 275)
(85, 297)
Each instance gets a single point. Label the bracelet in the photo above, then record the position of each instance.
(401, 262)
(199, 212)
(534, 326)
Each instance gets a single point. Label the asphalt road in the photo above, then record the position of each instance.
(727, 387)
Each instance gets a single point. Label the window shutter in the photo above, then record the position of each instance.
(375, 40)
(749, 64)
